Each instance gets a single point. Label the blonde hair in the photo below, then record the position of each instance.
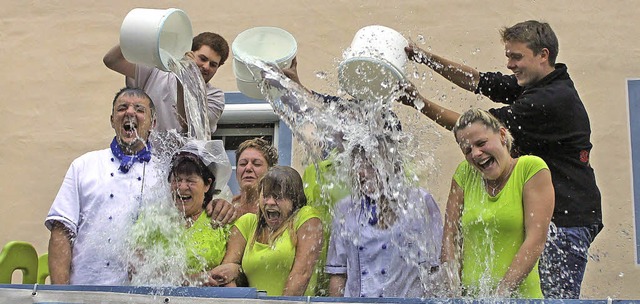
(269, 152)
(484, 117)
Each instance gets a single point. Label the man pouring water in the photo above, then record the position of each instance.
(208, 50)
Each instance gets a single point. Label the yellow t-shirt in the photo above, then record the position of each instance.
(268, 267)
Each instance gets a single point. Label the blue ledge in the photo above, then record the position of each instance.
(247, 293)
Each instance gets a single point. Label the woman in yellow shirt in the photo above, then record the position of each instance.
(278, 248)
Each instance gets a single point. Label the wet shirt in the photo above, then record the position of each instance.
(268, 267)
(205, 246)
(99, 204)
(162, 87)
(386, 262)
(548, 119)
(493, 229)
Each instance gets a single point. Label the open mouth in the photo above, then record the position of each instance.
(272, 214)
(182, 197)
(130, 126)
(484, 164)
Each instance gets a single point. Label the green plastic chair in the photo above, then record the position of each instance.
(17, 255)
(43, 268)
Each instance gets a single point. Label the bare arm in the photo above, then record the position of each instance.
(462, 75)
(451, 238)
(538, 201)
(440, 115)
(309, 244)
(230, 267)
(60, 254)
(337, 282)
(114, 60)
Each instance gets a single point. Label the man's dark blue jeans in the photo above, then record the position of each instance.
(564, 260)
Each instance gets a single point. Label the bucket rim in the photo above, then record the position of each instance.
(171, 11)
(394, 70)
(290, 55)
(396, 73)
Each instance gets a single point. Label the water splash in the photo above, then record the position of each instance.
(363, 137)
(195, 97)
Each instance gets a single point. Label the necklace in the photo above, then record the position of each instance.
(495, 186)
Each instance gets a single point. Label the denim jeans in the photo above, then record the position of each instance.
(564, 260)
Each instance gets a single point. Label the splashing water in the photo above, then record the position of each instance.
(195, 97)
(156, 251)
(363, 137)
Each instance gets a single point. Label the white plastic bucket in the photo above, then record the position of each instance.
(152, 36)
(269, 44)
(374, 63)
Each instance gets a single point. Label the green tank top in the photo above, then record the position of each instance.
(493, 229)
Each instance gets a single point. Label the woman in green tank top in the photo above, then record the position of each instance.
(497, 214)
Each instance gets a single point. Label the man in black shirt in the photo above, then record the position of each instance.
(547, 118)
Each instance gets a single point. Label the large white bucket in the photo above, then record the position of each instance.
(152, 36)
(269, 44)
(374, 64)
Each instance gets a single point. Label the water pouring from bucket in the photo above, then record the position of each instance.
(268, 44)
(374, 64)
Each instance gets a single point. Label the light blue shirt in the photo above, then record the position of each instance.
(386, 262)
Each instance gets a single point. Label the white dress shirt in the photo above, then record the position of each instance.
(98, 204)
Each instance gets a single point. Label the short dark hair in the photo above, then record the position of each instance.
(537, 35)
(135, 92)
(188, 163)
(215, 42)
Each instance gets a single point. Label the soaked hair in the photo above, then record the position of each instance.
(214, 41)
(269, 152)
(187, 163)
(537, 35)
(135, 92)
(281, 182)
(484, 117)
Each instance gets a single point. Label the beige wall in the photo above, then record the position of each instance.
(56, 93)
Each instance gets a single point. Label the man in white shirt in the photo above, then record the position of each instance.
(101, 195)
(209, 50)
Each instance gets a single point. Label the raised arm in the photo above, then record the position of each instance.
(308, 247)
(462, 75)
(451, 239)
(60, 254)
(440, 115)
(114, 60)
(230, 267)
(538, 202)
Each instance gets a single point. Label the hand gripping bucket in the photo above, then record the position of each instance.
(152, 36)
(374, 64)
(269, 44)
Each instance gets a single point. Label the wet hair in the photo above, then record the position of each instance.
(483, 117)
(188, 163)
(281, 182)
(537, 35)
(135, 92)
(269, 152)
(215, 42)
